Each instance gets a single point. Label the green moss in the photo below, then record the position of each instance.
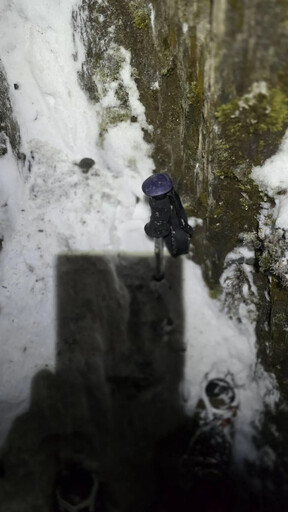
(265, 261)
(245, 202)
(278, 110)
(194, 95)
(237, 8)
(196, 91)
(251, 128)
(215, 292)
(219, 174)
(166, 71)
(236, 4)
(122, 94)
(283, 5)
(141, 17)
(204, 198)
(282, 78)
(172, 38)
(141, 20)
(219, 210)
(112, 116)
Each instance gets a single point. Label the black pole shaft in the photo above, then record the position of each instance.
(159, 259)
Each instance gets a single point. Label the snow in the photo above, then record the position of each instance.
(136, 106)
(56, 208)
(194, 221)
(272, 177)
(119, 155)
(36, 50)
(152, 18)
(155, 86)
(185, 27)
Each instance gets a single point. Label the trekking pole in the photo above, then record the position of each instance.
(168, 222)
(159, 259)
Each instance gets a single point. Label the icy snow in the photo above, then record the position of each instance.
(56, 208)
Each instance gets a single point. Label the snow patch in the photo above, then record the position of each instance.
(122, 143)
(195, 221)
(185, 27)
(37, 53)
(137, 108)
(152, 18)
(272, 176)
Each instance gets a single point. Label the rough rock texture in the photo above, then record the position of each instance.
(9, 129)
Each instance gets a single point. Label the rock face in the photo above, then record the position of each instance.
(9, 129)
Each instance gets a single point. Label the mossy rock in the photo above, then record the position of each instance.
(140, 14)
(112, 116)
(251, 128)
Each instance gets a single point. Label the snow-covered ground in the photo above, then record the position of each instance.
(50, 206)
